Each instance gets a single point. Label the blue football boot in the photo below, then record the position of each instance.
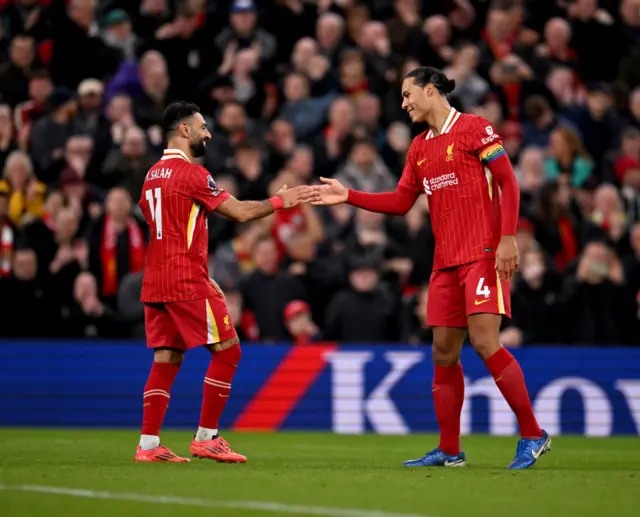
(437, 458)
(530, 450)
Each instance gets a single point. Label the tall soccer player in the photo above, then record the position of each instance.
(183, 308)
(462, 168)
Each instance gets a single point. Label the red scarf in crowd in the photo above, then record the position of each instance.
(249, 325)
(6, 249)
(569, 241)
(108, 254)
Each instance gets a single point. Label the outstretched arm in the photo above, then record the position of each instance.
(243, 211)
(398, 202)
(203, 189)
(333, 192)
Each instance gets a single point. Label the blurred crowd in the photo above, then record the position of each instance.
(294, 90)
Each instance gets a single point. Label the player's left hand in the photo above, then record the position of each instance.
(507, 257)
(216, 287)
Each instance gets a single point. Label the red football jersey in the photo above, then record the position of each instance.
(464, 201)
(176, 196)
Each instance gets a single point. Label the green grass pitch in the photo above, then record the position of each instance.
(73, 473)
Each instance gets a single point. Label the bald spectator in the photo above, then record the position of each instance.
(433, 44)
(381, 63)
(149, 106)
(556, 49)
(128, 165)
(333, 146)
(86, 316)
(330, 30)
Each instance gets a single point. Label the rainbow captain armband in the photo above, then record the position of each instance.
(491, 153)
(276, 202)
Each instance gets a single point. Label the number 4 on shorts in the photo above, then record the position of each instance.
(482, 290)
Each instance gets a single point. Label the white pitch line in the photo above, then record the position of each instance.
(261, 506)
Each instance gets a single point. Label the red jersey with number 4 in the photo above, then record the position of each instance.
(176, 196)
(464, 202)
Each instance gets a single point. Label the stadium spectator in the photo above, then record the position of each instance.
(23, 296)
(116, 244)
(363, 312)
(14, 74)
(267, 291)
(49, 134)
(65, 257)
(593, 297)
(26, 194)
(414, 318)
(297, 317)
(128, 165)
(8, 232)
(86, 316)
(568, 156)
(534, 298)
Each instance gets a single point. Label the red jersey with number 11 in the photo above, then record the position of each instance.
(176, 197)
(464, 199)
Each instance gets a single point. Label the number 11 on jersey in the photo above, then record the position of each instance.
(155, 208)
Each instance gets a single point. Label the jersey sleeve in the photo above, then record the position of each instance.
(484, 142)
(408, 179)
(203, 189)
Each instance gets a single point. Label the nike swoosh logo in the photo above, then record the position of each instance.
(421, 162)
(536, 454)
(448, 463)
(480, 302)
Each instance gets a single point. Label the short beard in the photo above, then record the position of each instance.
(198, 149)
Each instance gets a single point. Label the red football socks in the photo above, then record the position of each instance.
(448, 396)
(217, 385)
(156, 396)
(510, 380)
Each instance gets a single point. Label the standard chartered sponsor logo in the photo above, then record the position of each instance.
(446, 180)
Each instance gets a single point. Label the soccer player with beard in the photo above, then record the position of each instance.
(183, 307)
(462, 168)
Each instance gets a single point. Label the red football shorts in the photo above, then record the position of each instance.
(185, 325)
(461, 291)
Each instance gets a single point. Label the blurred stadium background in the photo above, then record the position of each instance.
(294, 90)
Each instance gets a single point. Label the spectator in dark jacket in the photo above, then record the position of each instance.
(592, 296)
(365, 312)
(267, 291)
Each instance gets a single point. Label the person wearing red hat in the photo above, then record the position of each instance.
(297, 318)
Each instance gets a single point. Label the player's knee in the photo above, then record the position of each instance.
(229, 351)
(235, 354)
(167, 355)
(443, 354)
(484, 343)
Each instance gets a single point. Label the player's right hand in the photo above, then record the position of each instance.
(331, 193)
(294, 196)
